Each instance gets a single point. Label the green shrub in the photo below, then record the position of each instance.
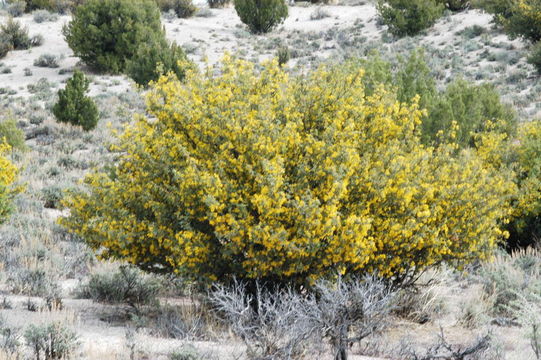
(520, 18)
(455, 5)
(283, 54)
(105, 34)
(527, 310)
(525, 229)
(73, 106)
(182, 8)
(525, 20)
(11, 134)
(256, 174)
(218, 3)
(186, 352)
(58, 6)
(473, 108)
(261, 15)
(53, 341)
(534, 57)
(409, 17)
(51, 195)
(5, 45)
(501, 9)
(16, 9)
(127, 285)
(47, 60)
(154, 58)
(15, 34)
(36, 40)
(510, 276)
(41, 16)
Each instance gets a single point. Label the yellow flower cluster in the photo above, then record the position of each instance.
(259, 175)
(530, 9)
(8, 175)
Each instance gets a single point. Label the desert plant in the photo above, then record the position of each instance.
(47, 60)
(525, 155)
(16, 8)
(10, 343)
(13, 33)
(348, 311)
(73, 106)
(182, 8)
(186, 352)
(473, 108)
(40, 16)
(218, 3)
(281, 324)
(11, 134)
(527, 310)
(51, 195)
(5, 46)
(287, 180)
(8, 176)
(188, 321)
(58, 6)
(463, 109)
(98, 36)
(154, 58)
(36, 40)
(525, 20)
(442, 349)
(261, 15)
(509, 277)
(283, 54)
(319, 13)
(127, 285)
(53, 341)
(455, 5)
(409, 17)
(501, 9)
(534, 57)
(270, 322)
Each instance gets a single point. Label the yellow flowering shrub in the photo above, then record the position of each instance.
(518, 158)
(8, 175)
(523, 19)
(260, 175)
(526, 154)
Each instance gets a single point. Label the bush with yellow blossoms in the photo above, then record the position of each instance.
(525, 19)
(524, 155)
(8, 176)
(259, 175)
